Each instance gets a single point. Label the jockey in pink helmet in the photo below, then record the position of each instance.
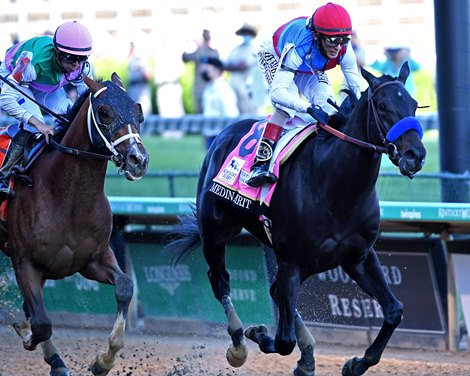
(294, 60)
(40, 67)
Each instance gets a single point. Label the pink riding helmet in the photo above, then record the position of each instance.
(73, 38)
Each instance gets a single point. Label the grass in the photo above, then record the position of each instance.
(186, 154)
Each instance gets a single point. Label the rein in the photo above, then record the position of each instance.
(370, 105)
(352, 140)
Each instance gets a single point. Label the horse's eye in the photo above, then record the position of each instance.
(105, 114)
(382, 107)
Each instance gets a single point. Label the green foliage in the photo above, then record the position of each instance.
(187, 83)
(103, 68)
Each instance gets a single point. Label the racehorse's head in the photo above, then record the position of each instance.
(114, 124)
(393, 110)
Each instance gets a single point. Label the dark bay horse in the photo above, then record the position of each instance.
(324, 212)
(62, 224)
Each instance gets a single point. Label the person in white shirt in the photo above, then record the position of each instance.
(218, 97)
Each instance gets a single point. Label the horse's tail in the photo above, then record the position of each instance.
(184, 237)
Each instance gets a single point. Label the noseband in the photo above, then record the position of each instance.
(117, 158)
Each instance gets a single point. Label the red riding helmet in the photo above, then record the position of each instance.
(332, 19)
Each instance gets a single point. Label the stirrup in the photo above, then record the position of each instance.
(261, 175)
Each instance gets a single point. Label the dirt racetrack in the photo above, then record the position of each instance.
(152, 355)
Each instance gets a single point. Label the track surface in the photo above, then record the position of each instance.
(162, 355)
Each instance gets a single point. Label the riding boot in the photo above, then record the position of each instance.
(14, 155)
(260, 173)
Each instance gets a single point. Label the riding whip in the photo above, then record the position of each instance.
(50, 112)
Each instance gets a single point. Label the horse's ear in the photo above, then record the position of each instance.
(92, 85)
(404, 72)
(117, 80)
(370, 78)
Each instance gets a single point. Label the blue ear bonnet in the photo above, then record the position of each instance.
(403, 125)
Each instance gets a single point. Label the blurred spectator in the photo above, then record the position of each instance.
(168, 71)
(395, 57)
(204, 50)
(218, 97)
(139, 80)
(358, 49)
(246, 77)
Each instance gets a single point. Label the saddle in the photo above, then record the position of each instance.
(33, 144)
(230, 181)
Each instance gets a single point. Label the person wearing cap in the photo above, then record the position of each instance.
(395, 56)
(218, 98)
(203, 50)
(294, 60)
(40, 67)
(246, 78)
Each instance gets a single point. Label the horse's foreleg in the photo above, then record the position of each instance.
(109, 272)
(52, 357)
(37, 326)
(306, 343)
(369, 276)
(285, 293)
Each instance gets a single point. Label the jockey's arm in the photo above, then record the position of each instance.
(284, 79)
(23, 110)
(10, 100)
(351, 72)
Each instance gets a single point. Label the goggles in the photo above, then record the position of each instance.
(336, 40)
(70, 59)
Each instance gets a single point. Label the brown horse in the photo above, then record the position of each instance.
(62, 224)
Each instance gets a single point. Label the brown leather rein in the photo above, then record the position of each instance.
(380, 126)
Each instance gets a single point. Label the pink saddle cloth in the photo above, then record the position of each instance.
(230, 181)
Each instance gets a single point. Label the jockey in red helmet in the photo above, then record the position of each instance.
(294, 60)
(40, 67)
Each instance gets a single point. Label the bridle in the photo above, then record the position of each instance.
(93, 124)
(387, 147)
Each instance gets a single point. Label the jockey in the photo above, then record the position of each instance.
(294, 61)
(40, 67)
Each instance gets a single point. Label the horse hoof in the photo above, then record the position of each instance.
(300, 372)
(348, 368)
(96, 369)
(236, 356)
(59, 372)
(306, 363)
(253, 331)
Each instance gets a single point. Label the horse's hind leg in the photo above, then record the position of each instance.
(369, 276)
(285, 292)
(108, 271)
(214, 253)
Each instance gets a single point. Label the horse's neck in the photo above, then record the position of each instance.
(354, 165)
(87, 172)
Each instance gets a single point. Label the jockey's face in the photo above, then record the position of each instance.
(70, 63)
(331, 51)
(331, 45)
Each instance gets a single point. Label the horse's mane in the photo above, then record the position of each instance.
(72, 111)
(340, 118)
